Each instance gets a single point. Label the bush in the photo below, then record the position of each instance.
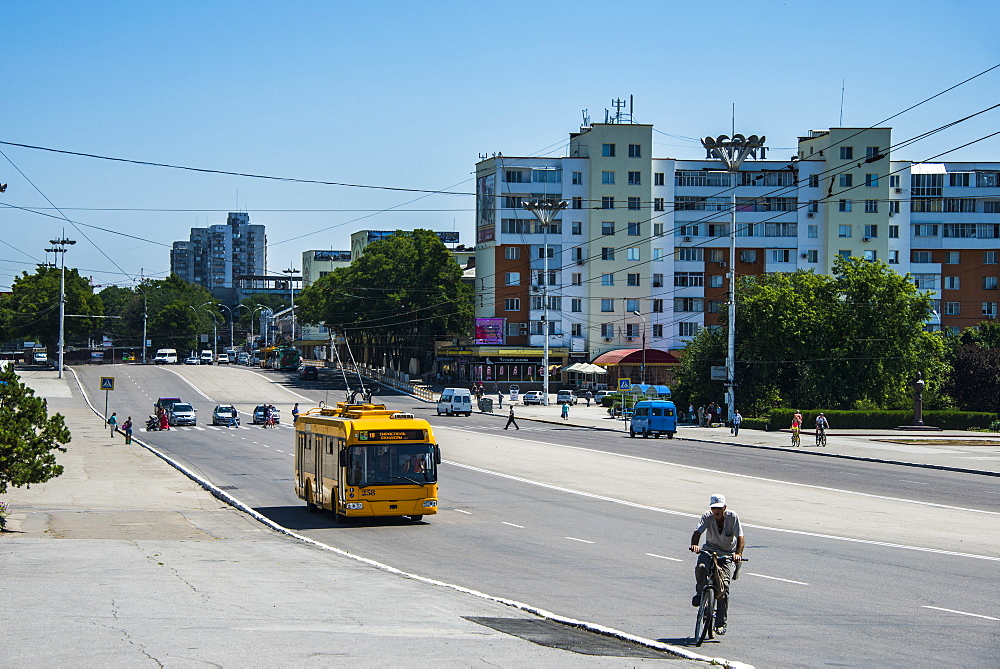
(754, 424)
(780, 419)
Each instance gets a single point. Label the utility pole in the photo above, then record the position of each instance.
(291, 290)
(732, 152)
(545, 211)
(643, 373)
(59, 246)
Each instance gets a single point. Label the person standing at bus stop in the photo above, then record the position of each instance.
(510, 419)
(127, 429)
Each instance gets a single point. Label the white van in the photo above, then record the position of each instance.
(166, 356)
(455, 401)
(206, 357)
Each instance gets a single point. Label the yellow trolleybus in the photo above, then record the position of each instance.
(366, 460)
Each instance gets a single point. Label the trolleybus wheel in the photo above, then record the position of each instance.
(416, 519)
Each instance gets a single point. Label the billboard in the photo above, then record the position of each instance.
(489, 330)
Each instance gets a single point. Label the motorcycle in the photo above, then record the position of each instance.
(152, 424)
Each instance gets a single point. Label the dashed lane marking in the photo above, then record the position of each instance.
(582, 541)
(775, 578)
(664, 557)
(961, 613)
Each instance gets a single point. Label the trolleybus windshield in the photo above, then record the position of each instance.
(391, 464)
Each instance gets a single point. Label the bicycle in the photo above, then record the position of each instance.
(820, 437)
(704, 625)
(796, 437)
(270, 422)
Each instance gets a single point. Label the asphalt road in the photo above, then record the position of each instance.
(595, 525)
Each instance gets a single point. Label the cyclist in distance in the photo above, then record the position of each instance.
(723, 534)
(822, 424)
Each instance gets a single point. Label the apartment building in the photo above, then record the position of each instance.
(217, 256)
(640, 255)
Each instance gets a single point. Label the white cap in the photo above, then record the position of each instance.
(717, 500)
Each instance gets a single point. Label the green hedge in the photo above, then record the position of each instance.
(780, 419)
(754, 424)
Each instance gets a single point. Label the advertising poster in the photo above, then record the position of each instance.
(489, 331)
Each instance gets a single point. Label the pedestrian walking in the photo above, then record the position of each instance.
(737, 419)
(500, 400)
(691, 415)
(127, 429)
(565, 411)
(510, 419)
(295, 413)
(590, 396)
(701, 416)
(113, 422)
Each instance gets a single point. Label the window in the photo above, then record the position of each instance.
(633, 253)
(953, 283)
(689, 279)
(577, 253)
(608, 253)
(635, 151)
(926, 185)
(657, 306)
(634, 203)
(871, 151)
(576, 305)
(514, 329)
(893, 207)
(893, 257)
(871, 231)
(959, 179)
(658, 179)
(690, 255)
(813, 206)
(713, 306)
(513, 279)
(631, 305)
(607, 177)
(607, 330)
(960, 205)
(607, 202)
(542, 253)
(658, 203)
(542, 175)
(576, 228)
(687, 329)
(989, 283)
(926, 281)
(921, 257)
(893, 232)
(871, 206)
(925, 230)
(716, 255)
(844, 253)
(715, 281)
(608, 150)
(965, 230)
(846, 180)
(871, 180)
(695, 304)
(870, 255)
(812, 232)
(512, 252)
(635, 178)
(577, 202)
(512, 304)
(814, 181)
(847, 153)
(657, 280)
(844, 231)
(991, 206)
(845, 205)
(688, 229)
(511, 202)
(894, 181)
(576, 330)
(987, 179)
(781, 255)
(952, 257)
(633, 279)
(952, 308)
(634, 228)
(608, 279)
(515, 176)
(576, 278)
(923, 205)
(658, 254)
(657, 329)
(989, 257)
(990, 309)
(748, 256)
(608, 305)
(577, 178)
(608, 228)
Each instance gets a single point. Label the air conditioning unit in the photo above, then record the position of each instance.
(898, 190)
(722, 264)
(536, 289)
(629, 338)
(865, 239)
(994, 287)
(687, 239)
(805, 255)
(607, 339)
(891, 213)
(811, 214)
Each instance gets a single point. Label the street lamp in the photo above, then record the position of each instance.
(732, 152)
(291, 290)
(232, 342)
(545, 211)
(59, 246)
(260, 328)
(643, 374)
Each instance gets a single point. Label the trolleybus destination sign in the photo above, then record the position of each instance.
(390, 435)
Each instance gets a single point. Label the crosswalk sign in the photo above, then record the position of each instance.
(624, 384)
(107, 383)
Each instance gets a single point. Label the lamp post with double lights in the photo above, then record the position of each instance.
(545, 211)
(232, 335)
(291, 291)
(59, 246)
(732, 151)
(643, 373)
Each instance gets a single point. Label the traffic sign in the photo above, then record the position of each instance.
(107, 383)
(624, 384)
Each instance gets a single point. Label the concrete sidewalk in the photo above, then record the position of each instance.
(948, 449)
(124, 561)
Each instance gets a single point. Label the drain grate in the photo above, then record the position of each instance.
(227, 487)
(576, 640)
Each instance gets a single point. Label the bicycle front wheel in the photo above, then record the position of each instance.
(706, 615)
(821, 439)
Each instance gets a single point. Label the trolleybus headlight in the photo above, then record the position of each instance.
(430, 502)
(355, 505)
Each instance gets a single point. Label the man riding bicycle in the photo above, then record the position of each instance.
(725, 536)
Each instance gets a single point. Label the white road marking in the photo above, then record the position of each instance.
(664, 557)
(280, 451)
(742, 476)
(303, 397)
(961, 613)
(582, 541)
(198, 427)
(916, 482)
(468, 513)
(512, 524)
(212, 427)
(775, 578)
(196, 388)
(647, 507)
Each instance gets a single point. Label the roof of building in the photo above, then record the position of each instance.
(633, 356)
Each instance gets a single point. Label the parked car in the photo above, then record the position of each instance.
(226, 414)
(566, 397)
(223, 359)
(533, 397)
(191, 360)
(40, 357)
(309, 373)
(182, 414)
(259, 415)
(600, 395)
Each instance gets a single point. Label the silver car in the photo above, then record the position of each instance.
(182, 414)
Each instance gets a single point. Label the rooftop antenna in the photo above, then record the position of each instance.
(843, 82)
(619, 117)
(586, 118)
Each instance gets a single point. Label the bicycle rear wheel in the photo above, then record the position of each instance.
(821, 439)
(706, 616)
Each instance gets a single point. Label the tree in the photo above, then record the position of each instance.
(396, 299)
(248, 321)
(31, 311)
(176, 325)
(147, 300)
(28, 435)
(850, 340)
(975, 378)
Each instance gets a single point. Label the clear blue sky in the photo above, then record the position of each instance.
(408, 94)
